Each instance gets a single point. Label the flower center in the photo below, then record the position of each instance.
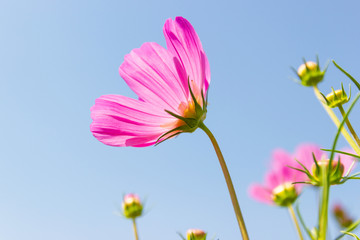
(187, 109)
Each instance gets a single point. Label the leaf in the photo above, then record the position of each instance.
(351, 234)
(352, 227)
(182, 237)
(341, 152)
(348, 75)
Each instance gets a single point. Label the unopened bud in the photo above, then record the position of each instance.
(336, 171)
(284, 194)
(195, 234)
(341, 216)
(310, 74)
(336, 98)
(132, 206)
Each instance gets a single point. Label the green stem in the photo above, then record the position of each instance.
(337, 122)
(229, 183)
(293, 217)
(135, 229)
(324, 204)
(348, 124)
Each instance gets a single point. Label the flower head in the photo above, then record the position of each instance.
(171, 85)
(337, 98)
(310, 73)
(132, 206)
(278, 188)
(195, 234)
(313, 160)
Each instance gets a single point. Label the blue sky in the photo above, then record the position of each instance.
(57, 57)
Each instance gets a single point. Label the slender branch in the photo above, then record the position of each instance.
(337, 122)
(135, 229)
(348, 124)
(293, 217)
(229, 183)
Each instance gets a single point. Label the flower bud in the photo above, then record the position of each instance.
(336, 98)
(310, 74)
(284, 194)
(132, 206)
(336, 171)
(195, 234)
(341, 216)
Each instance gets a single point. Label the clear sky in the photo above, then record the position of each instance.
(56, 57)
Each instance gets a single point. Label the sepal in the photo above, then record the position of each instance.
(191, 121)
(337, 98)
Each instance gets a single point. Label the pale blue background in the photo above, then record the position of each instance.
(56, 57)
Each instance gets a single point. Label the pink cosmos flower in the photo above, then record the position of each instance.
(305, 155)
(171, 85)
(278, 187)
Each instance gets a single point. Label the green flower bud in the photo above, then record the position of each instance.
(132, 206)
(336, 172)
(195, 234)
(310, 74)
(284, 194)
(336, 98)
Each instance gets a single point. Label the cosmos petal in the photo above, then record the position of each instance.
(260, 193)
(182, 41)
(156, 76)
(122, 121)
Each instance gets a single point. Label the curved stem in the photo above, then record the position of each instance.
(229, 183)
(348, 124)
(293, 217)
(135, 229)
(337, 122)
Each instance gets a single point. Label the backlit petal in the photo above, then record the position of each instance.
(122, 121)
(260, 193)
(156, 76)
(182, 41)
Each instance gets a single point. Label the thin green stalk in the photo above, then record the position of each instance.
(348, 124)
(229, 183)
(324, 204)
(293, 217)
(135, 229)
(337, 122)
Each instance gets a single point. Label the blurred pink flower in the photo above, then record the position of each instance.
(304, 154)
(160, 79)
(278, 188)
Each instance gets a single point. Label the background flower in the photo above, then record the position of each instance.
(304, 154)
(279, 180)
